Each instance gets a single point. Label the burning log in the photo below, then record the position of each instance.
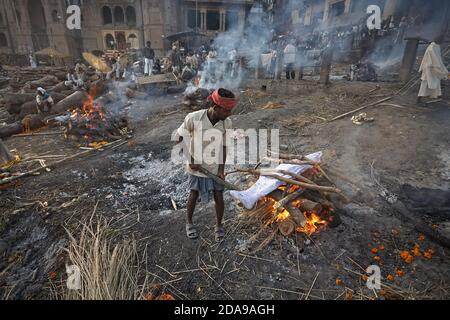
(73, 101)
(92, 123)
(294, 213)
(286, 227)
(98, 87)
(310, 206)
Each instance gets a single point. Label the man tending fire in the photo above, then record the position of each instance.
(215, 118)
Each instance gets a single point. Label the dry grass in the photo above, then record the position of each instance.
(109, 270)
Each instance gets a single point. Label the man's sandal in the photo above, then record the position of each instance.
(191, 232)
(220, 234)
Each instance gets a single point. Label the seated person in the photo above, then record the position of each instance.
(157, 67)
(44, 102)
(73, 81)
(188, 73)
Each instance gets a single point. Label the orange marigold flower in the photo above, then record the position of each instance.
(381, 247)
(338, 281)
(377, 258)
(428, 254)
(349, 295)
(406, 256)
(390, 277)
(421, 237)
(400, 273)
(374, 250)
(416, 251)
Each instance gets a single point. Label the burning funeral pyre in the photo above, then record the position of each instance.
(94, 122)
(302, 204)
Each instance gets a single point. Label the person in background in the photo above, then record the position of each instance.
(289, 59)
(73, 81)
(157, 67)
(192, 59)
(149, 58)
(33, 62)
(188, 73)
(117, 69)
(433, 71)
(44, 102)
(175, 60)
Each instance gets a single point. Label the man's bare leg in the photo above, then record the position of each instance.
(192, 201)
(220, 207)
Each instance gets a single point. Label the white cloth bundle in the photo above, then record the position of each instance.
(265, 185)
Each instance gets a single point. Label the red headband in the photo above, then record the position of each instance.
(226, 103)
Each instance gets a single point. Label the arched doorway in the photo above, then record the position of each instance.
(121, 40)
(110, 42)
(133, 41)
(38, 25)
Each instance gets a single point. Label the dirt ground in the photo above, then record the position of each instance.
(405, 150)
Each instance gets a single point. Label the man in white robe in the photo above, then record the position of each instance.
(433, 71)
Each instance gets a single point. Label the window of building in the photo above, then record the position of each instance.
(1, 19)
(119, 16)
(3, 40)
(337, 9)
(361, 5)
(192, 16)
(231, 20)
(213, 20)
(131, 16)
(107, 15)
(109, 41)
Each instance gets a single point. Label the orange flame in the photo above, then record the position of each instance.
(313, 223)
(313, 220)
(90, 110)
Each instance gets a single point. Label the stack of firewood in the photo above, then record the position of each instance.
(305, 203)
(18, 96)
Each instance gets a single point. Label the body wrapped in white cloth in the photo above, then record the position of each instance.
(265, 185)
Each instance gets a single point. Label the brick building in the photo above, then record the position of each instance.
(32, 25)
